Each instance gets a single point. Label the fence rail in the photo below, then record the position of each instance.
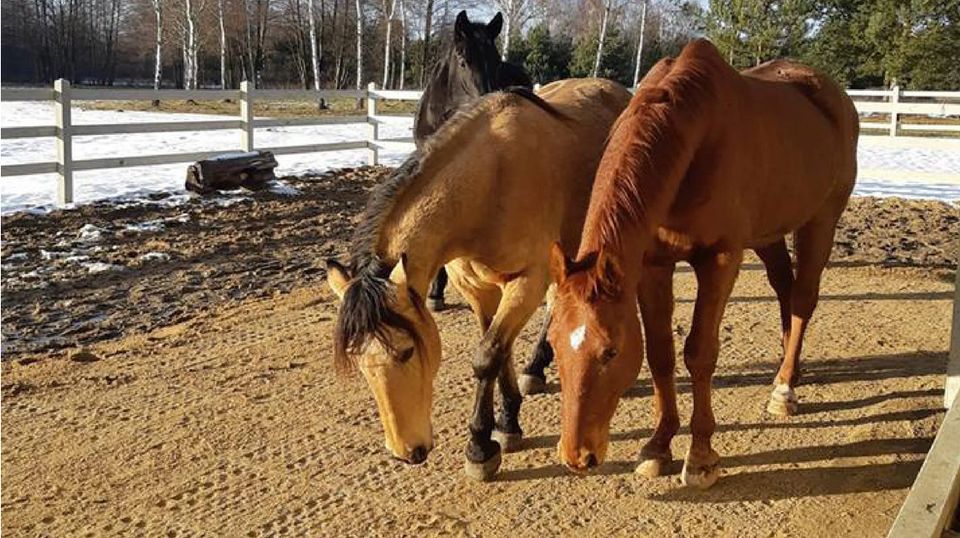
(893, 103)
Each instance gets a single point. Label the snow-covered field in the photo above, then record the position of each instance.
(885, 170)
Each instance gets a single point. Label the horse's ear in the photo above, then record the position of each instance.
(559, 263)
(462, 26)
(609, 273)
(338, 277)
(495, 25)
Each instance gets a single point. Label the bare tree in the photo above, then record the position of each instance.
(314, 54)
(386, 41)
(425, 51)
(158, 64)
(403, 43)
(643, 23)
(359, 46)
(223, 47)
(607, 6)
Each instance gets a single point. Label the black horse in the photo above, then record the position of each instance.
(469, 68)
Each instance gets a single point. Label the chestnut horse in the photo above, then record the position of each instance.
(487, 195)
(704, 163)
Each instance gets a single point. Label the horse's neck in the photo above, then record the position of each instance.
(637, 183)
(419, 225)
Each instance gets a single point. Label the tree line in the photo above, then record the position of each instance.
(347, 43)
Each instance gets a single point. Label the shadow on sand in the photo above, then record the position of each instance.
(753, 485)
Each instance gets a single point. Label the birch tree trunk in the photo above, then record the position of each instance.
(158, 64)
(643, 24)
(314, 56)
(386, 46)
(603, 36)
(223, 48)
(359, 47)
(507, 29)
(403, 43)
(425, 53)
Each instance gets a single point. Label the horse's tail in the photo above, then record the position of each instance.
(527, 93)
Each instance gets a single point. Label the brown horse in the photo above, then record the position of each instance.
(487, 195)
(704, 163)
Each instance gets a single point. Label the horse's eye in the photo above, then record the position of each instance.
(608, 355)
(405, 355)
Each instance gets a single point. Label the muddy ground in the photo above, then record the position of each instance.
(207, 403)
(104, 270)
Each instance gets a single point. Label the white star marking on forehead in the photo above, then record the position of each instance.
(578, 336)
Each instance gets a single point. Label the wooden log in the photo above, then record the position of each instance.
(249, 170)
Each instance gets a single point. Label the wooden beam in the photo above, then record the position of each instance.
(933, 498)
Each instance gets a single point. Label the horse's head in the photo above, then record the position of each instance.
(475, 61)
(596, 336)
(384, 330)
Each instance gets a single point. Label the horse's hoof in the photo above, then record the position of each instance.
(701, 475)
(783, 402)
(509, 442)
(653, 462)
(436, 305)
(483, 471)
(531, 384)
(652, 468)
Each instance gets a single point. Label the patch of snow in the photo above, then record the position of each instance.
(16, 256)
(133, 186)
(90, 233)
(101, 267)
(48, 255)
(76, 258)
(154, 257)
(282, 188)
(147, 226)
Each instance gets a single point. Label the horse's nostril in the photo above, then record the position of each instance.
(591, 461)
(419, 455)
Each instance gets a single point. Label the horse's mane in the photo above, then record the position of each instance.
(367, 304)
(638, 180)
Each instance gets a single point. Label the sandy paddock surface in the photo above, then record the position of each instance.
(206, 402)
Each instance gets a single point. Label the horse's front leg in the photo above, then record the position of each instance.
(521, 297)
(716, 275)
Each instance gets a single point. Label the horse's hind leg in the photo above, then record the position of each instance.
(776, 261)
(508, 433)
(521, 297)
(533, 380)
(435, 296)
(655, 296)
(813, 243)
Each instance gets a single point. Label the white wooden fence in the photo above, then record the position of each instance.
(64, 130)
(898, 106)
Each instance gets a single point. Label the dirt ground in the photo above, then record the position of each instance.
(226, 417)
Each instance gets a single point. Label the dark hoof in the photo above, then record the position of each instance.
(531, 384)
(483, 471)
(509, 442)
(436, 305)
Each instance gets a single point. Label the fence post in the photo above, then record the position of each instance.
(373, 158)
(894, 116)
(952, 389)
(246, 116)
(61, 88)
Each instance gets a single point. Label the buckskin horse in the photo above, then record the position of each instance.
(471, 67)
(704, 163)
(464, 199)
